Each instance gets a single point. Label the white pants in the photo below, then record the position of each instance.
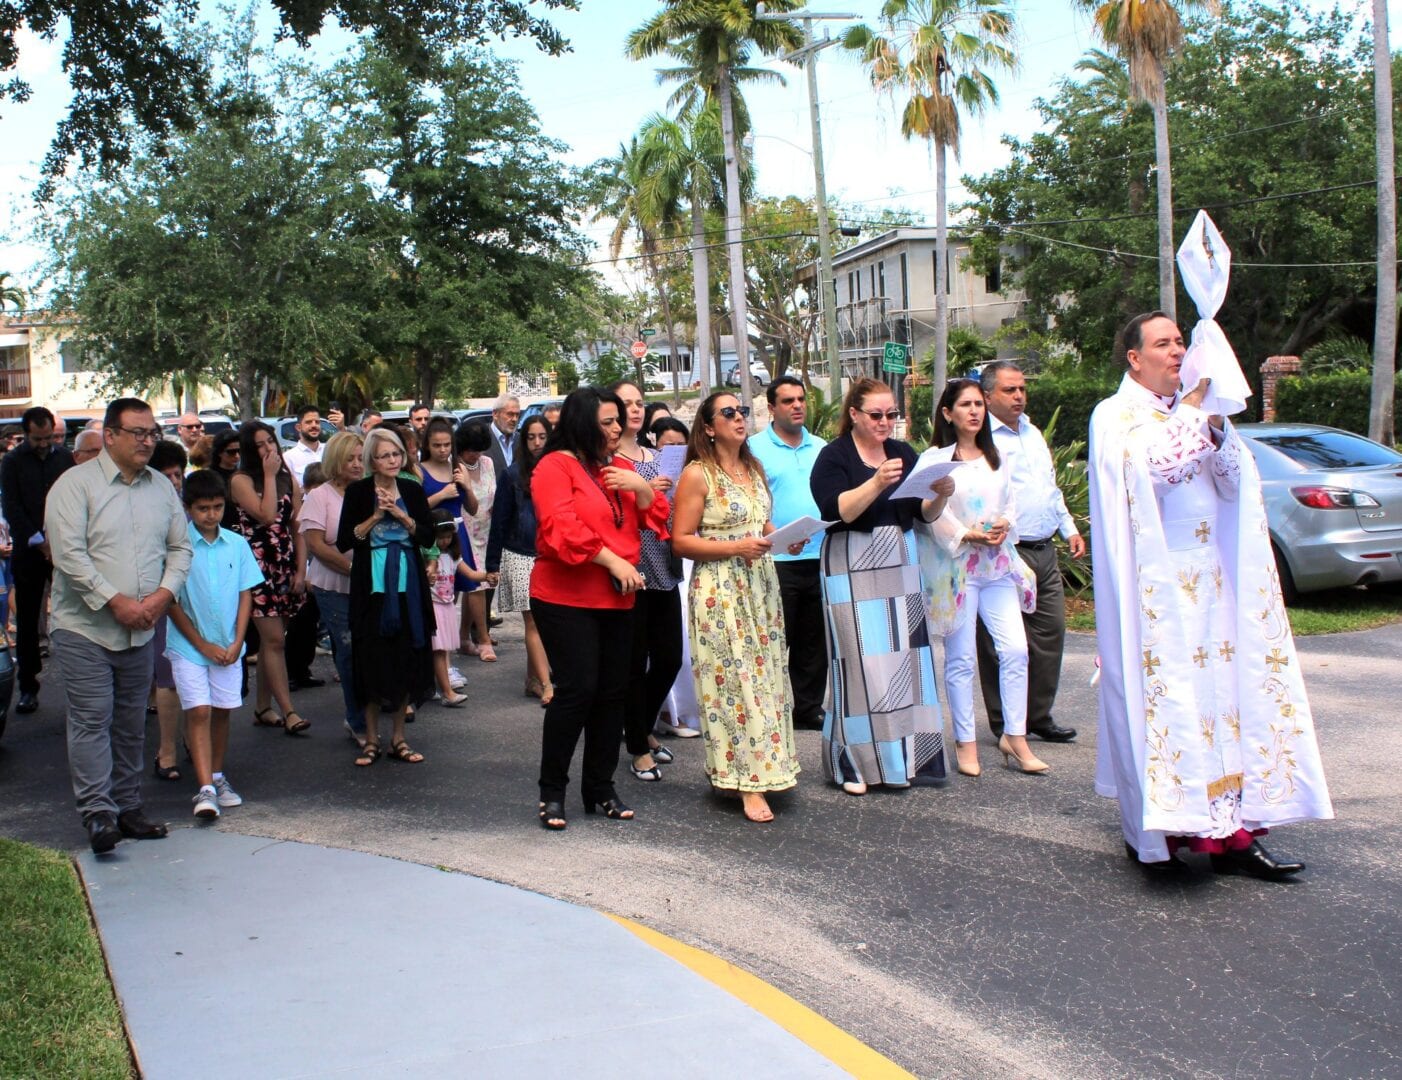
(996, 603)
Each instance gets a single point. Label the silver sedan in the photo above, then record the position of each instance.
(1333, 503)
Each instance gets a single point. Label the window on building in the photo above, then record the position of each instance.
(872, 270)
(948, 275)
(14, 358)
(993, 280)
(851, 291)
(881, 278)
(859, 284)
(70, 355)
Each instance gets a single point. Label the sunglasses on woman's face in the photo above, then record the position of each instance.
(877, 415)
(730, 412)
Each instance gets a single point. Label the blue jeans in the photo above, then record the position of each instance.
(335, 616)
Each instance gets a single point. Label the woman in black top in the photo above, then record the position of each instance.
(884, 725)
(386, 519)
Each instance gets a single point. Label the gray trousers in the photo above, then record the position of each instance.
(1046, 640)
(106, 694)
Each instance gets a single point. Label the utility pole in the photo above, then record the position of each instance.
(827, 283)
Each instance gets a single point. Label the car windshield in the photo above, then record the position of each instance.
(1332, 450)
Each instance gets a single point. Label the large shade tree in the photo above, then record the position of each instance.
(942, 54)
(719, 35)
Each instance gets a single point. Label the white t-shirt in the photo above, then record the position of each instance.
(299, 457)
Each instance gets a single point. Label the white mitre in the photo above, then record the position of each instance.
(1205, 262)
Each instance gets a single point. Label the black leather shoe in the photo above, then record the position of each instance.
(1053, 732)
(28, 703)
(494, 621)
(1172, 865)
(103, 833)
(135, 825)
(306, 682)
(1256, 862)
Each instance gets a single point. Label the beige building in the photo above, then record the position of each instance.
(41, 363)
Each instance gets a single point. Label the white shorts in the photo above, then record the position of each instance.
(201, 684)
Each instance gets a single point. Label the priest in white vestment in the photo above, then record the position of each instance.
(1206, 737)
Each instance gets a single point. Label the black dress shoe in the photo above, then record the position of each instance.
(494, 621)
(28, 703)
(1256, 862)
(103, 833)
(1172, 865)
(305, 682)
(135, 825)
(1053, 732)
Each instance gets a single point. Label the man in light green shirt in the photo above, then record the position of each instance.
(121, 552)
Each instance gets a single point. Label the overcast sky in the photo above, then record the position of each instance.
(593, 99)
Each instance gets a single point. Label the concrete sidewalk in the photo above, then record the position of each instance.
(240, 956)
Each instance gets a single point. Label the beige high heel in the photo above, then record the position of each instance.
(966, 759)
(1032, 764)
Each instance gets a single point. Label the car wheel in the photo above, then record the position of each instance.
(1288, 592)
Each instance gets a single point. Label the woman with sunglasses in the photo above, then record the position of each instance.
(734, 610)
(590, 509)
(972, 572)
(884, 724)
(385, 519)
(269, 503)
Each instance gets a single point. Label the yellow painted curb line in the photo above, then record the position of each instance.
(803, 1023)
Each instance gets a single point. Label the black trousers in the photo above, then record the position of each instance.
(657, 657)
(801, 592)
(300, 644)
(588, 650)
(32, 574)
(1046, 640)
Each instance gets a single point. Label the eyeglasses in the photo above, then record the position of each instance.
(390, 455)
(191, 427)
(141, 434)
(891, 415)
(730, 412)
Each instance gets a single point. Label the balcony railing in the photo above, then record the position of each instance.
(14, 382)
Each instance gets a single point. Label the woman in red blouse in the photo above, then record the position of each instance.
(590, 507)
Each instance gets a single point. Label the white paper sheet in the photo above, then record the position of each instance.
(917, 484)
(1205, 262)
(670, 460)
(803, 528)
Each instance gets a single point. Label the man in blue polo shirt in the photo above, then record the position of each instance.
(787, 451)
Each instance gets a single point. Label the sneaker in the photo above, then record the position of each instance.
(227, 795)
(456, 679)
(206, 805)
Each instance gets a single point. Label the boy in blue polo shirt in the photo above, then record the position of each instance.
(208, 622)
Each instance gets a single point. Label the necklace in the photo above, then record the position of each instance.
(614, 500)
(474, 466)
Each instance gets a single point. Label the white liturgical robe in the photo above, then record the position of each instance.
(1204, 723)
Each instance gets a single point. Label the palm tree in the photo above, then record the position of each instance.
(1145, 33)
(639, 203)
(718, 35)
(941, 51)
(11, 294)
(685, 159)
(1380, 422)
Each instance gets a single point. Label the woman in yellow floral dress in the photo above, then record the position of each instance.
(736, 619)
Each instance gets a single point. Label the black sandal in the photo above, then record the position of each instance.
(552, 816)
(367, 755)
(260, 721)
(402, 751)
(295, 727)
(611, 808)
(164, 772)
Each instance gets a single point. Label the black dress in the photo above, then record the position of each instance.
(389, 666)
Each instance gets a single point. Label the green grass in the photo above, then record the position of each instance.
(1337, 611)
(58, 1014)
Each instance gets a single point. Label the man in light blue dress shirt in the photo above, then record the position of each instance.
(1041, 515)
(787, 451)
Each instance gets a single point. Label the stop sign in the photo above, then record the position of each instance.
(639, 349)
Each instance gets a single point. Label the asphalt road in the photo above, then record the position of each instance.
(992, 928)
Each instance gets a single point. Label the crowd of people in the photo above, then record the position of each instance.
(638, 554)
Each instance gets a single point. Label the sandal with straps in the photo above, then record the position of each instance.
(402, 751)
(367, 755)
(552, 816)
(260, 718)
(295, 727)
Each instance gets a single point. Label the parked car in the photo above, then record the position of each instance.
(468, 416)
(759, 374)
(1333, 505)
(170, 426)
(535, 408)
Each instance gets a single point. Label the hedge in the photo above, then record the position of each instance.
(1337, 398)
(1076, 397)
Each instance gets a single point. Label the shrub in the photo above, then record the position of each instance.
(1072, 399)
(566, 376)
(1336, 398)
(1343, 352)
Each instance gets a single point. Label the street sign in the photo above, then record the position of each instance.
(893, 358)
(639, 349)
(648, 331)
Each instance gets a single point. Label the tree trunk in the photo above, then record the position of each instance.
(672, 357)
(1380, 423)
(701, 292)
(941, 364)
(1168, 301)
(245, 383)
(426, 377)
(739, 313)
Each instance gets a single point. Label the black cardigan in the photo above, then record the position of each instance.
(359, 504)
(840, 468)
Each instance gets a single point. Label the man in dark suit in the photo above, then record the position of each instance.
(26, 475)
(506, 414)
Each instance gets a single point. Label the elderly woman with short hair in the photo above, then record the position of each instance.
(385, 519)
